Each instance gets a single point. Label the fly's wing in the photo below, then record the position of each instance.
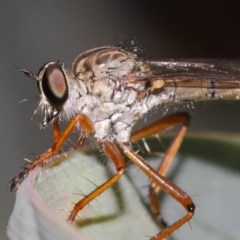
(197, 79)
(197, 73)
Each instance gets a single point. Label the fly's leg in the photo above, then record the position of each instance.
(168, 187)
(118, 160)
(59, 139)
(169, 121)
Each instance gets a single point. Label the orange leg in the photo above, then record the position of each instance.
(56, 130)
(59, 139)
(168, 187)
(164, 123)
(117, 158)
(160, 181)
(169, 121)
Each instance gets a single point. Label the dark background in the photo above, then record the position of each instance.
(34, 32)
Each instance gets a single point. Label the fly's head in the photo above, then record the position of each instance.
(53, 89)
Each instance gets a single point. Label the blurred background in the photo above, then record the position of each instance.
(34, 32)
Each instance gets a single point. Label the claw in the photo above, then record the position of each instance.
(17, 180)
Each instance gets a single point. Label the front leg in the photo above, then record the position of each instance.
(59, 139)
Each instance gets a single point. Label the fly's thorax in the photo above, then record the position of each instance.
(99, 89)
(108, 87)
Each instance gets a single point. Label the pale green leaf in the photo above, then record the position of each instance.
(208, 169)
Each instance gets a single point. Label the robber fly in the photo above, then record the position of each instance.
(107, 92)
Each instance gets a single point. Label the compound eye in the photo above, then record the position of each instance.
(54, 85)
